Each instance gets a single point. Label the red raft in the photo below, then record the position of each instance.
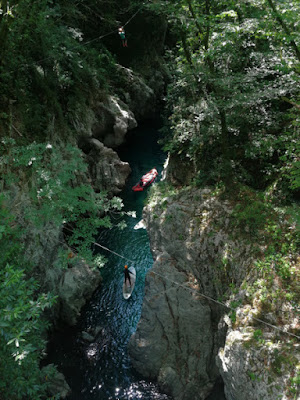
(145, 180)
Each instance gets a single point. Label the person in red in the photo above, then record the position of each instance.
(127, 275)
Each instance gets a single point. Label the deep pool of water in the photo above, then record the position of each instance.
(102, 370)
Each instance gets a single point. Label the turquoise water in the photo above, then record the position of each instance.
(102, 370)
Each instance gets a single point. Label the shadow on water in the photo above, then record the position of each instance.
(101, 369)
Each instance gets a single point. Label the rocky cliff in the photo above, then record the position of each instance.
(185, 337)
(114, 115)
(57, 268)
(104, 128)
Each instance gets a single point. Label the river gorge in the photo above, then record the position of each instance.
(97, 366)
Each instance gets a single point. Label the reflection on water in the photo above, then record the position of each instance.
(93, 355)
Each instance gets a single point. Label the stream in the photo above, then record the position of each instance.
(101, 370)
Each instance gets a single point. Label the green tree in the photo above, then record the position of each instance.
(54, 68)
(231, 69)
(47, 70)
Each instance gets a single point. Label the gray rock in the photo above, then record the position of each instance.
(42, 245)
(76, 286)
(107, 172)
(178, 176)
(140, 97)
(92, 334)
(113, 119)
(186, 340)
(180, 331)
(87, 337)
(248, 372)
(98, 330)
(173, 341)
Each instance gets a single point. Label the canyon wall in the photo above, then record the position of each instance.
(198, 318)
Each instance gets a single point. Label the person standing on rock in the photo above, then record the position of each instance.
(122, 36)
(127, 275)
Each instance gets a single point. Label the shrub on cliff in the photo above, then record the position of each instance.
(49, 180)
(235, 72)
(22, 326)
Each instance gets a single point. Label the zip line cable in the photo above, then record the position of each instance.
(105, 248)
(113, 252)
(218, 79)
(78, 45)
(98, 15)
(224, 305)
(110, 22)
(185, 287)
(134, 14)
(196, 291)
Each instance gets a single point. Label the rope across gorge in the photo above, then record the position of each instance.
(78, 45)
(196, 291)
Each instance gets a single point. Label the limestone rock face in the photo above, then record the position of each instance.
(107, 172)
(75, 287)
(113, 119)
(174, 340)
(204, 303)
(257, 363)
(140, 97)
(178, 176)
(180, 330)
(134, 100)
(249, 372)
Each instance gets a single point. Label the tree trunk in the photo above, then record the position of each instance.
(3, 27)
(207, 30)
(186, 50)
(194, 16)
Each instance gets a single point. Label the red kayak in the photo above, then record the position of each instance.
(145, 180)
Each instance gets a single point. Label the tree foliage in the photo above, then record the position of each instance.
(233, 64)
(53, 68)
(233, 106)
(50, 179)
(54, 178)
(53, 62)
(22, 326)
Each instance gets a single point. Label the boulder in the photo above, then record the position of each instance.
(76, 285)
(113, 119)
(259, 364)
(87, 337)
(107, 172)
(174, 338)
(92, 334)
